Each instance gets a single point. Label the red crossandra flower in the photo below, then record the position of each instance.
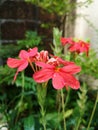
(80, 47)
(21, 63)
(61, 76)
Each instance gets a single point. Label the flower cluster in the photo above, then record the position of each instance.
(46, 67)
(78, 46)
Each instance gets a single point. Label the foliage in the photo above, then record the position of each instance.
(31, 39)
(56, 47)
(6, 78)
(64, 12)
(89, 64)
(4, 70)
(29, 123)
(58, 7)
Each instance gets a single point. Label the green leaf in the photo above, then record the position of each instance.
(54, 117)
(31, 39)
(68, 113)
(29, 83)
(29, 123)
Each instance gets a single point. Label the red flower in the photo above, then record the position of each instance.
(80, 47)
(21, 63)
(65, 41)
(76, 46)
(42, 56)
(61, 76)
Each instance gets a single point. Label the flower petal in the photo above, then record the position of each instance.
(64, 62)
(43, 75)
(33, 51)
(72, 69)
(23, 54)
(44, 65)
(22, 66)
(14, 63)
(58, 81)
(70, 80)
(65, 41)
(74, 47)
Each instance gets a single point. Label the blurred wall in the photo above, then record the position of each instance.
(17, 16)
(86, 26)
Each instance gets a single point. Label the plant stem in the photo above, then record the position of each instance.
(78, 124)
(21, 98)
(67, 97)
(93, 111)
(63, 108)
(23, 82)
(41, 95)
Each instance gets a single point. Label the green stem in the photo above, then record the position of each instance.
(43, 121)
(23, 82)
(63, 108)
(93, 111)
(78, 124)
(67, 97)
(41, 95)
(21, 98)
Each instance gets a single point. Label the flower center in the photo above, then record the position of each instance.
(83, 44)
(57, 69)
